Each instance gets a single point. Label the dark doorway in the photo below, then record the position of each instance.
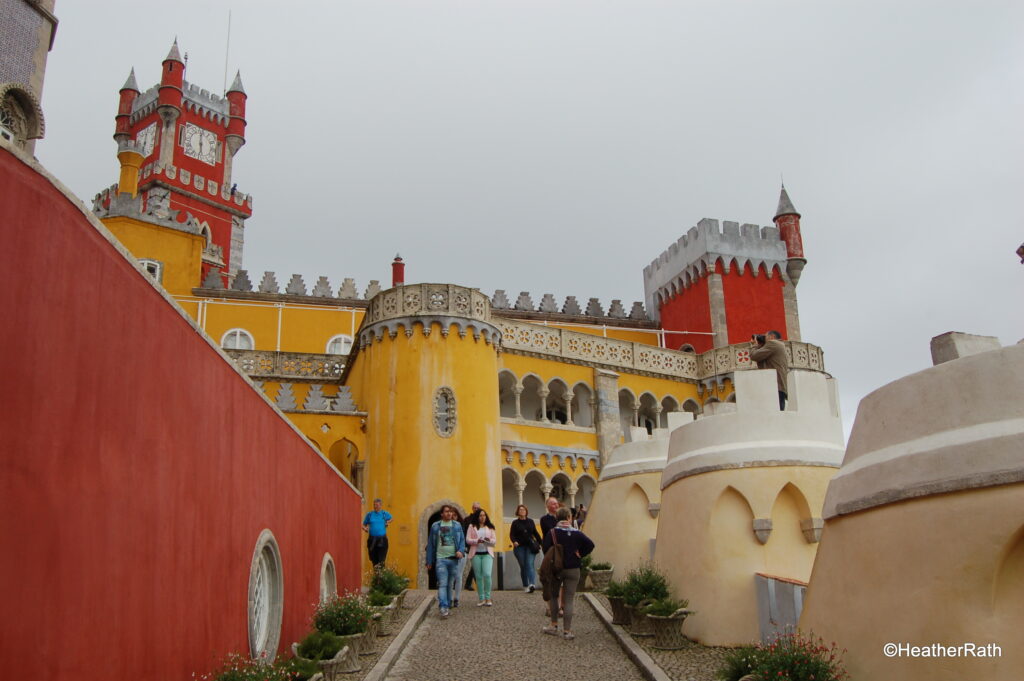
(431, 574)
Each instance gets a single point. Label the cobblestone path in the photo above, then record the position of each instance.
(506, 643)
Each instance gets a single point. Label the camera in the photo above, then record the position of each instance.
(758, 338)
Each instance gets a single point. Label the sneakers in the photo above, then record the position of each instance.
(568, 635)
(455, 604)
(489, 603)
(444, 613)
(480, 604)
(531, 588)
(553, 630)
(527, 589)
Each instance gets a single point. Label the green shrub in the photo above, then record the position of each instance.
(344, 615)
(600, 566)
(615, 590)
(645, 582)
(389, 580)
(665, 607)
(790, 657)
(379, 598)
(320, 645)
(585, 562)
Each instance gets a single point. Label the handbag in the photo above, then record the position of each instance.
(533, 545)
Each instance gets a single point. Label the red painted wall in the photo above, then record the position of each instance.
(752, 304)
(688, 311)
(137, 469)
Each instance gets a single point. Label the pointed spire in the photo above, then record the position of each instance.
(130, 84)
(785, 205)
(236, 84)
(174, 54)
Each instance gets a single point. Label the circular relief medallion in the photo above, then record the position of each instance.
(444, 411)
(438, 300)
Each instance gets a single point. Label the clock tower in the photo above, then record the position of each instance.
(176, 145)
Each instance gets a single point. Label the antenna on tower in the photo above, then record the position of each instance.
(227, 51)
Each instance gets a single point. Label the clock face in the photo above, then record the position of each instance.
(146, 139)
(200, 144)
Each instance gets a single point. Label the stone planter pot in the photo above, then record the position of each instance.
(668, 631)
(346, 661)
(620, 612)
(366, 645)
(639, 625)
(599, 579)
(386, 616)
(400, 600)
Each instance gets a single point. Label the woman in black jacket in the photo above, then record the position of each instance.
(575, 545)
(525, 546)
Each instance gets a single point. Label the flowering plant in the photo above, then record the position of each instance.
(243, 668)
(387, 579)
(790, 657)
(342, 615)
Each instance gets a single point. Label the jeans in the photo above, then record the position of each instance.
(482, 569)
(570, 580)
(527, 570)
(457, 580)
(447, 574)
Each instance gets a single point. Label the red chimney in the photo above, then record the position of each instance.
(397, 271)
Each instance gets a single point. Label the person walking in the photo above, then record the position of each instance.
(481, 540)
(466, 522)
(548, 520)
(375, 523)
(525, 546)
(446, 544)
(575, 545)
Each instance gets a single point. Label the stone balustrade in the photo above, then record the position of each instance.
(617, 354)
(260, 364)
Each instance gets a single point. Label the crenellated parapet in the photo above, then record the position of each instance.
(446, 305)
(524, 308)
(698, 251)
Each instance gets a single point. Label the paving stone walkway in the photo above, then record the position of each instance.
(505, 642)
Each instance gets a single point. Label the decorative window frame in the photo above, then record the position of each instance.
(154, 268)
(444, 416)
(340, 336)
(240, 332)
(328, 579)
(266, 598)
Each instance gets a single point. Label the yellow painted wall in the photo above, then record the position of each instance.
(302, 328)
(943, 569)
(547, 369)
(647, 337)
(179, 252)
(409, 465)
(707, 546)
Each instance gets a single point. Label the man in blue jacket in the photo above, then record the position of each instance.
(446, 544)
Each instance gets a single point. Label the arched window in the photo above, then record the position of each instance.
(686, 347)
(237, 339)
(266, 598)
(328, 579)
(154, 268)
(339, 345)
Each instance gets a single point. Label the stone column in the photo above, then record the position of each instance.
(517, 390)
(520, 488)
(568, 407)
(716, 300)
(657, 415)
(572, 496)
(606, 417)
(543, 392)
(790, 308)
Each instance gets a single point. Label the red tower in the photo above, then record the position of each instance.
(188, 138)
(718, 284)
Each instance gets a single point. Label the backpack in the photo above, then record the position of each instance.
(554, 562)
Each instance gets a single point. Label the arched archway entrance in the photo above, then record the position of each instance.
(426, 579)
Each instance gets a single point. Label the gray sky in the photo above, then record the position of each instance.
(556, 146)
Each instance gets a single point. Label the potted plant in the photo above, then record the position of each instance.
(600, 575)
(347, 617)
(326, 651)
(236, 667)
(615, 592)
(644, 583)
(385, 609)
(793, 656)
(388, 580)
(666, 616)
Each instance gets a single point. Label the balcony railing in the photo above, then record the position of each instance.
(292, 365)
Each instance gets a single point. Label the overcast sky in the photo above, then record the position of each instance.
(556, 146)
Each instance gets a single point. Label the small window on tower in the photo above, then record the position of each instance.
(181, 135)
(154, 268)
(237, 339)
(339, 345)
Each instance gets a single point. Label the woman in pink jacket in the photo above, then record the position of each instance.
(481, 540)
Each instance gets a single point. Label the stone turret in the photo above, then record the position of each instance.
(788, 221)
(129, 91)
(172, 79)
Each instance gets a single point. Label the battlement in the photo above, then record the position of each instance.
(697, 252)
(207, 104)
(752, 432)
(570, 308)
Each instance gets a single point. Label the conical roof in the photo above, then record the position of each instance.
(130, 84)
(174, 54)
(236, 84)
(785, 205)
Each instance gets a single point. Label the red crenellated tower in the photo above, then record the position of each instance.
(720, 283)
(182, 140)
